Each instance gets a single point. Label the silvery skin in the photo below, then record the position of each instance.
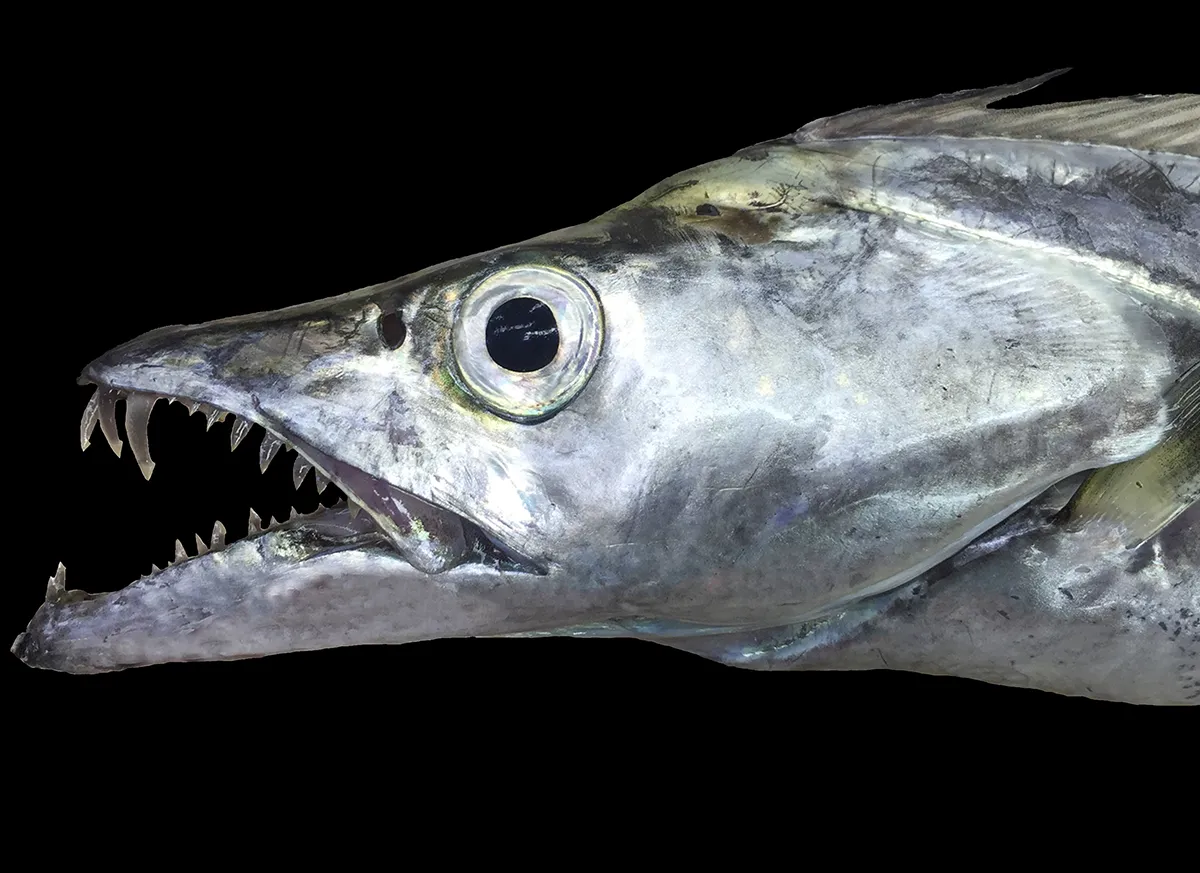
(816, 375)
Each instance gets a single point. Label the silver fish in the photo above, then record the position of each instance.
(833, 402)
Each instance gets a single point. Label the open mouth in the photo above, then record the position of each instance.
(375, 566)
(431, 539)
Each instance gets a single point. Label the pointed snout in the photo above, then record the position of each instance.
(221, 362)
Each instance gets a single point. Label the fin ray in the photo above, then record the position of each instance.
(1168, 123)
(1147, 493)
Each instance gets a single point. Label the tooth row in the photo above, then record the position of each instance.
(255, 524)
(218, 543)
(102, 408)
(300, 468)
(57, 584)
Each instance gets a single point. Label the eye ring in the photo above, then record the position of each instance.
(538, 394)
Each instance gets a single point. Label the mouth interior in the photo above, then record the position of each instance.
(343, 490)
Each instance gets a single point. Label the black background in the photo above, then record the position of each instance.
(205, 173)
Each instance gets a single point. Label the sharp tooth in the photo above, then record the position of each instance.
(137, 416)
(294, 515)
(255, 522)
(180, 552)
(241, 427)
(57, 584)
(91, 413)
(267, 451)
(321, 479)
(218, 536)
(154, 569)
(192, 406)
(354, 508)
(201, 548)
(210, 413)
(300, 470)
(108, 419)
(222, 415)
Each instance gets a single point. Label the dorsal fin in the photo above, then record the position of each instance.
(1169, 123)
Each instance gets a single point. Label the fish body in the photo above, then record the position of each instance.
(786, 388)
(1125, 624)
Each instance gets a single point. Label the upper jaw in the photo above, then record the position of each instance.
(431, 539)
(192, 366)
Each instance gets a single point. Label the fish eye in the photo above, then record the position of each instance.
(526, 339)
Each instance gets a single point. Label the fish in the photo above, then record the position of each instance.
(811, 379)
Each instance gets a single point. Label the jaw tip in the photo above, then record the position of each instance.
(28, 650)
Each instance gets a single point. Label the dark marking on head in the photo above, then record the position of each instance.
(753, 153)
(707, 209)
(748, 226)
(637, 230)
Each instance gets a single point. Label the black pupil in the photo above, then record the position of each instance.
(522, 335)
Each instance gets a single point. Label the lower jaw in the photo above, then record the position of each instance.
(294, 588)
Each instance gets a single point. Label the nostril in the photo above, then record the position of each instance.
(392, 329)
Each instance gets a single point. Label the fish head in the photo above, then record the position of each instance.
(538, 435)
